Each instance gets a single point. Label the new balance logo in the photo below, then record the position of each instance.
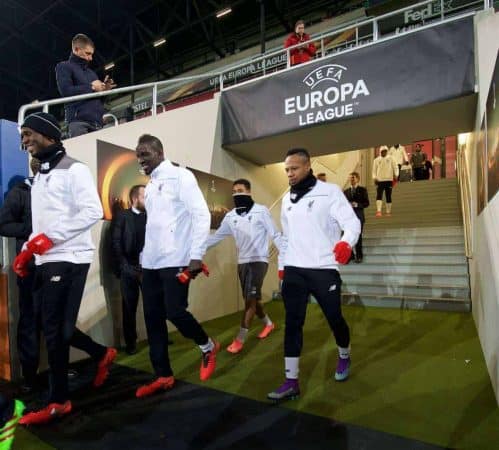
(332, 288)
(56, 278)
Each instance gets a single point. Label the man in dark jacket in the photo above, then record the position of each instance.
(129, 229)
(74, 77)
(358, 198)
(15, 221)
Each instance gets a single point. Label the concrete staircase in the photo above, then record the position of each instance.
(415, 258)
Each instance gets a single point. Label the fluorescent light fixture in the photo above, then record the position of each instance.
(159, 42)
(224, 12)
(109, 66)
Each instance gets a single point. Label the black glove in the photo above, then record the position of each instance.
(195, 267)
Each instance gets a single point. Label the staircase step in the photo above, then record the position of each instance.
(412, 241)
(428, 258)
(440, 292)
(403, 269)
(442, 249)
(406, 302)
(410, 231)
(452, 280)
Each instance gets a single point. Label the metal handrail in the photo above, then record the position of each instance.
(465, 194)
(154, 85)
(220, 73)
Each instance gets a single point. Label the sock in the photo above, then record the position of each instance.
(344, 352)
(292, 369)
(208, 347)
(266, 320)
(379, 204)
(243, 332)
(388, 208)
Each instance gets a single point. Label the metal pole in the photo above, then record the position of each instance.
(45, 108)
(322, 47)
(375, 30)
(132, 59)
(154, 99)
(221, 82)
(442, 6)
(288, 58)
(262, 26)
(356, 36)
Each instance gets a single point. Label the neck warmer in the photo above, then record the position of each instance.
(301, 188)
(50, 156)
(243, 203)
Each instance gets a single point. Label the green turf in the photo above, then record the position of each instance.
(418, 374)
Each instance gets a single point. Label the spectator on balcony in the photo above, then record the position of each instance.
(303, 53)
(74, 77)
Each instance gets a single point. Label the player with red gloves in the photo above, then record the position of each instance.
(313, 216)
(64, 207)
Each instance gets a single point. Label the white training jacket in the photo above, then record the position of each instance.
(251, 231)
(399, 155)
(385, 169)
(64, 206)
(178, 219)
(312, 227)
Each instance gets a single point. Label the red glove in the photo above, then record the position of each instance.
(185, 276)
(342, 252)
(281, 274)
(39, 244)
(21, 262)
(394, 182)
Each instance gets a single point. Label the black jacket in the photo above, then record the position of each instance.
(124, 240)
(15, 214)
(360, 196)
(74, 77)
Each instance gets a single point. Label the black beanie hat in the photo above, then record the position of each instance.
(43, 123)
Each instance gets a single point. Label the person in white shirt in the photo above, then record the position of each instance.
(252, 227)
(399, 155)
(385, 174)
(64, 207)
(313, 216)
(177, 228)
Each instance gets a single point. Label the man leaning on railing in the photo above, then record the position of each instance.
(303, 53)
(74, 77)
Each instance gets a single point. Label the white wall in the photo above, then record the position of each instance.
(484, 273)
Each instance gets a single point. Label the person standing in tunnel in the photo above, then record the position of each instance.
(313, 216)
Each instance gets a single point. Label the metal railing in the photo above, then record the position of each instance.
(375, 33)
(463, 178)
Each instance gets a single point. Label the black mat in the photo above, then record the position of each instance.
(196, 417)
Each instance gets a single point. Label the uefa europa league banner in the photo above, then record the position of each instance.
(423, 67)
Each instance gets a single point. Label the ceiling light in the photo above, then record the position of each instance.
(224, 12)
(159, 42)
(109, 66)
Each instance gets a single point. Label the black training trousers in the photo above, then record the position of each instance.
(325, 286)
(164, 298)
(385, 186)
(58, 290)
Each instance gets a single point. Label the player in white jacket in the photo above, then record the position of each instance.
(177, 228)
(252, 227)
(385, 174)
(313, 216)
(64, 207)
